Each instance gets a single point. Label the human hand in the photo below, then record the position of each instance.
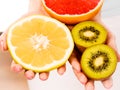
(18, 68)
(35, 7)
(75, 61)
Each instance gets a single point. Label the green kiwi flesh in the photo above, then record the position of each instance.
(98, 62)
(89, 33)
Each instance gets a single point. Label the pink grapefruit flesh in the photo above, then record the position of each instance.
(71, 7)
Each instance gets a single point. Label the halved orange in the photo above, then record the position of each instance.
(72, 11)
(40, 43)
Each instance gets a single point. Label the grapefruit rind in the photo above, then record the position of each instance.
(74, 19)
(47, 67)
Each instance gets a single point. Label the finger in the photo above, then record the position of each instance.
(36, 7)
(81, 77)
(112, 43)
(111, 40)
(108, 83)
(29, 74)
(90, 85)
(97, 18)
(61, 70)
(76, 68)
(3, 44)
(16, 67)
(44, 76)
(74, 61)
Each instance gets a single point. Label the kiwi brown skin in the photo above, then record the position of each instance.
(101, 69)
(88, 33)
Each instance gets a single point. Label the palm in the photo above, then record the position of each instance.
(75, 57)
(74, 60)
(18, 68)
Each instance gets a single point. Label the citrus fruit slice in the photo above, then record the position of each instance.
(40, 43)
(72, 11)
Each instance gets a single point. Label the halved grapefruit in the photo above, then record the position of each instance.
(40, 43)
(72, 11)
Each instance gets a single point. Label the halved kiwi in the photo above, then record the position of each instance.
(98, 62)
(88, 33)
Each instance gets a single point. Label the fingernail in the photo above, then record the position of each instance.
(83, 79)
(108, 83)
(17, 68)
(77, 68)
(43, 76)
(29, 75)
(61, 71)
(89, 86)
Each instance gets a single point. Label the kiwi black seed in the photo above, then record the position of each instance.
(98, 61)
(88, 33)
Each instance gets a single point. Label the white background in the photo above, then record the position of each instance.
(10, 10)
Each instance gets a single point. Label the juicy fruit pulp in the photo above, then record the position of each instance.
(72, 11)
(88, 33)
(99, 61)
(40, 43)
(71, 7)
